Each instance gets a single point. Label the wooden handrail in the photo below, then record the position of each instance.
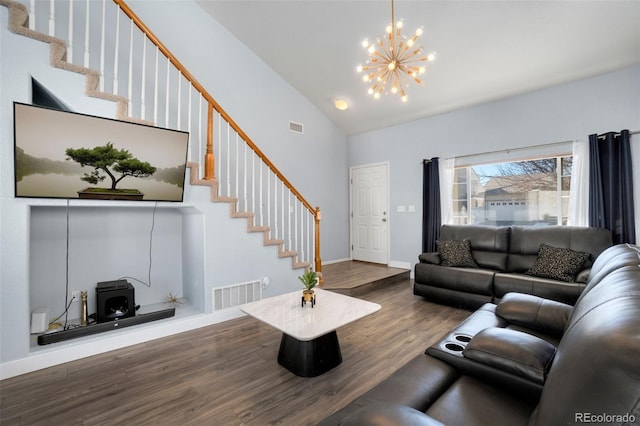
(209, 156)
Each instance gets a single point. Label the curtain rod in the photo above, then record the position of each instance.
(508, 151)
(635, 132)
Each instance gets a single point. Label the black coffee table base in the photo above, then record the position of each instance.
(310, 358)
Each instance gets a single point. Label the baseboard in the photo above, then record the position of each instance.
(329, 262)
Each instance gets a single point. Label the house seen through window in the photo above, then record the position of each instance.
(529, 192)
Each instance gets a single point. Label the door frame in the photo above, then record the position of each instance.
(364, 166)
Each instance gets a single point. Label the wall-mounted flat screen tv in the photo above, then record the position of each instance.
(61, 154)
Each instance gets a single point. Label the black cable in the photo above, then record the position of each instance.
(66, 287)
(153, 225)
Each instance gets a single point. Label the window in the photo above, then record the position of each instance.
(529, 192)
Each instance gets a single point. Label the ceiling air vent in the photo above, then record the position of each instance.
(295, 127)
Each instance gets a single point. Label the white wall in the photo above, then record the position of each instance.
(215, 250)
(567, 112)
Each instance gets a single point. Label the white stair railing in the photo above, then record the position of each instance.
(135, 65)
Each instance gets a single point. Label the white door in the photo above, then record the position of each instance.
(369, 213)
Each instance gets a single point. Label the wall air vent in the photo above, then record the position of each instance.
(236, 294)
(295, 127)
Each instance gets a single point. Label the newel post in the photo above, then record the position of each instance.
(318, 261)
(209, 158)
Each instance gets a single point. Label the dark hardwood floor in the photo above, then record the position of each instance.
(226, 374)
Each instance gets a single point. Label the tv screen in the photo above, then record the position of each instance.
(61, 154)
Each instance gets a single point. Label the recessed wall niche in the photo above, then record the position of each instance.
(73, 248)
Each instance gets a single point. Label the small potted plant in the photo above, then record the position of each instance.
(309, 279)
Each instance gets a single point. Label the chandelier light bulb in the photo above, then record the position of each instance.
(392, 65)
(404, 98)
(359, 68)
(431, 57)
(389, 29)
(399, 24)
(372, 49)
(419, 31)
(376, 95)
(365, 43)
(370, 91)
(394, 90)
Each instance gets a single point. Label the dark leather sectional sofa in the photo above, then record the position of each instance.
(503, 255)
(526, 361)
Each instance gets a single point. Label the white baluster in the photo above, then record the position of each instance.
(102, 43)
(52, 18)
(302, 248)
(253, 183)
(70, 36)
(276, 219)
(269, 200)
(189, 124)
(295, 224)
(86, 36)
(228, 162)
(283, 212)
(260, 188)
(237, 167)
(179, 112)
(156, 85)
(200, 129)
(244, 178)
(166, 104)
(143, 85)
(32, 14)
(116, 56)
(289, 218)
(130, 82)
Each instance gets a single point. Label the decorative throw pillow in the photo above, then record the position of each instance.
(558, 263)
(456, 253)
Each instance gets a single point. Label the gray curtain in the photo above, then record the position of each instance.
(431, 219)
(611, 185)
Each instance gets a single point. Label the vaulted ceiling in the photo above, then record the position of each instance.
(487, 50)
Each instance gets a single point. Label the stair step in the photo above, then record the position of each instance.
(287, 253)
(273, 242)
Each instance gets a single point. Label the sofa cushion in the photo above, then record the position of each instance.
(417, 384)
(387, 415)
(456, 253)
(525, 242)
(471, 280)
(558, 263)
(489, 244)
(548, 288)
(533, 312)
(515, 352)
(471, 402)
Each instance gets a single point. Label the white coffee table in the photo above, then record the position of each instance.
(309, 345)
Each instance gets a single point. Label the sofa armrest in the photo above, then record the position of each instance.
(431, 257)
(388, 415)
(535, 312)
(511, 351)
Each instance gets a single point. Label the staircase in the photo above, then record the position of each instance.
(148, 84)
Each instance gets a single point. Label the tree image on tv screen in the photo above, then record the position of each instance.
(106, 160)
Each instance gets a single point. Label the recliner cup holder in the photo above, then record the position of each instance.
(463, 338)
(454, 347)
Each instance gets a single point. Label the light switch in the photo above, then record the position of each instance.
(412, 209)
(401, 209)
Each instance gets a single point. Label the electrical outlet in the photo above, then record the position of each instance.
(75, 295)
